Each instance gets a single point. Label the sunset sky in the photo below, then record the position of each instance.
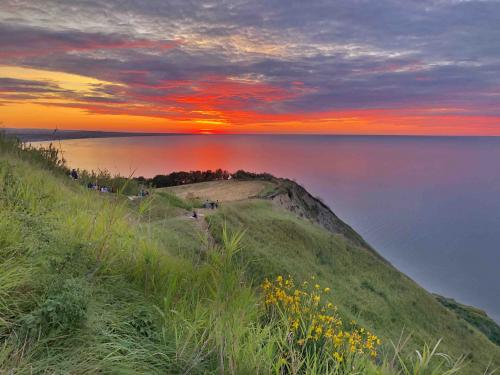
(263, 66)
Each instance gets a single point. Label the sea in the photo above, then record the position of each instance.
(429, 205)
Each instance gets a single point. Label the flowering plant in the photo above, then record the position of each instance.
(313, 326)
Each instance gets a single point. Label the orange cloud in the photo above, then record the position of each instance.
(214, 104)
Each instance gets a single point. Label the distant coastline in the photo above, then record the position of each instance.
(40, 135)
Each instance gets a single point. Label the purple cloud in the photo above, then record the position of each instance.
(346, 54)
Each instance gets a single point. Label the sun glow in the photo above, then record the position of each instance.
(206, 131)
(215, 105)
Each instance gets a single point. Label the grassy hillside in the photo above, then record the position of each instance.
(95, 282)
(474, 316)
(367, 289)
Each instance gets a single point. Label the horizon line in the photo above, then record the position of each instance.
(47, 131)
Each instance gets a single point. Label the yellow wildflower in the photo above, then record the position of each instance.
(338, 357)
(306, 318)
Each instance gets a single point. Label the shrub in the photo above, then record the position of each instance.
(182, 178)
(46, 157)
(62, 311)
(244, 175)
(117, 184)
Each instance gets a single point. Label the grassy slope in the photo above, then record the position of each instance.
(56, 231)
(105, 264)
(474, 316)
(365, 288)
(91, 283)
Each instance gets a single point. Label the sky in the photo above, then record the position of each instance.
(263, 66)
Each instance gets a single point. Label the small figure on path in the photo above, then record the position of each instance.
(74, 174)
(195, 215)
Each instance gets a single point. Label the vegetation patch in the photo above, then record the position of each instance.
(64, 309)
(476, 317)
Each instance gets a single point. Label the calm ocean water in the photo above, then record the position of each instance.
(431, 206)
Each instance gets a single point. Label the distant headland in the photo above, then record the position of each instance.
(38, 135)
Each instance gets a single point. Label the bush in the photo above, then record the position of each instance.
(244, 175)
(62, 311)
(182, 178)
(46, 157)
(117, 184)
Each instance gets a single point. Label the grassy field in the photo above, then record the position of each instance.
(222, 191)
(96, 283)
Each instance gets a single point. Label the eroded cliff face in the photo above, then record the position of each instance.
(291, 196)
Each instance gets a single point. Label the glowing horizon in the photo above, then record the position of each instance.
(208, 71)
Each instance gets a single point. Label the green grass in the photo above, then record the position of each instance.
(93, 282)
(170, 199)
(86, 279)
(366, 288)
(475, 317)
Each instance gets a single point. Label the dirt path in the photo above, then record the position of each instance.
(202, 224)
(222, 191)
